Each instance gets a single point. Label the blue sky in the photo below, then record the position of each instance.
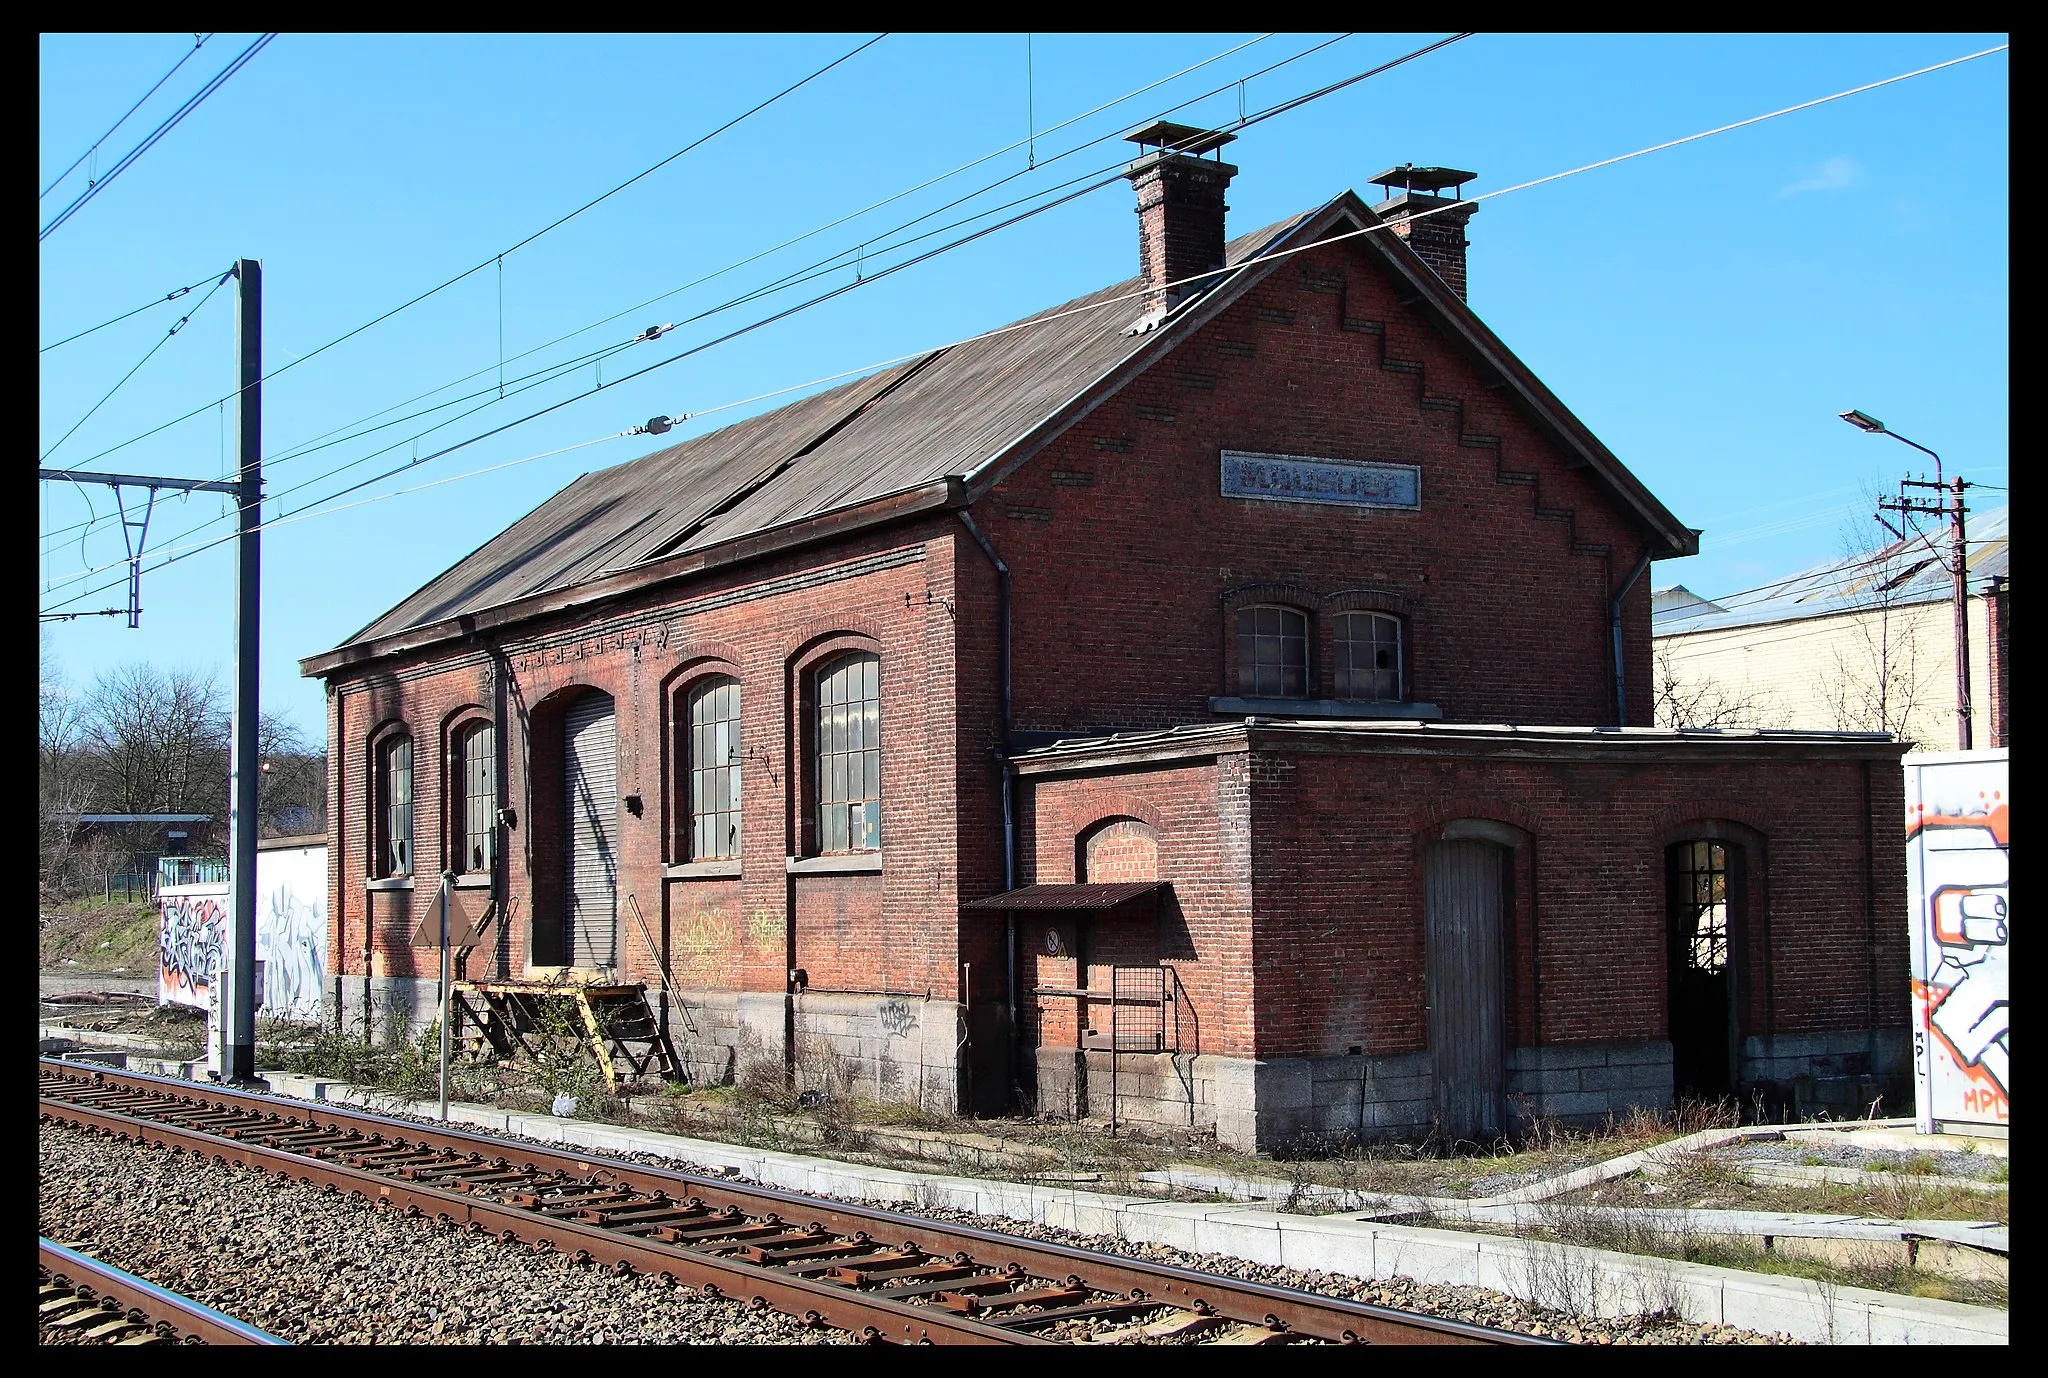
(1706, 310)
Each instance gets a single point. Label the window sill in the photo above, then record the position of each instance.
(1322, 708)
(473, 880)
(856, 863)
(702, 870)
(389, 883)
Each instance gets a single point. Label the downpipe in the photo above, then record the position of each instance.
(1002, 754)
(1614, 625)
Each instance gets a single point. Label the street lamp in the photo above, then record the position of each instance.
(1959, 557)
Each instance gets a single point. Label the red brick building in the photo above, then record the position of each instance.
(1112, 713)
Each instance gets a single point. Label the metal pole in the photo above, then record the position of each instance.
(238, 1017)
(1962, 595)
(447, 879)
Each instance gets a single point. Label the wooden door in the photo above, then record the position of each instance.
(1462, 928)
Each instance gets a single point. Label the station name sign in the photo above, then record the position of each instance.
(1339, 482)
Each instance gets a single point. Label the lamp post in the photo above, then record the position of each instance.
(1958, 557)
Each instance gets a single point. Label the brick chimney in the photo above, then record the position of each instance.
(1180, 208)
(1439, 239)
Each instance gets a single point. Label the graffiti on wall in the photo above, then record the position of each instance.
(191, 936)
(1958, 865)
(291, 930)
(291, 936)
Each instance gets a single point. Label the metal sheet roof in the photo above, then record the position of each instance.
(1902, 574)
(954, 413)
(1069, 896)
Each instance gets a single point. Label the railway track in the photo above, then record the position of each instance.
(880, 1274)
(105, 1305)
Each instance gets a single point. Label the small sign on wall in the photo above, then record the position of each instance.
(1337, 482)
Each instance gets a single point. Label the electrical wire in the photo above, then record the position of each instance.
(146, 306)
(1191, 279)
(837, 258)
(198, 43)
(587, 205)
(823, 267)
(139, 363)
(176, 117)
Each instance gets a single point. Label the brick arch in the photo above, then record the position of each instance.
(1369, 600)
(1698, 818)
(453, 724)
(1272, 593)
(815, 633)
(1430, 820)
(1113, 850)
(686, 652)
(701, 660)
(390, 726)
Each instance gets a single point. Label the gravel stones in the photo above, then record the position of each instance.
(319, 1269)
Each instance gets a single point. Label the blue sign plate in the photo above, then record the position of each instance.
(1338, 482)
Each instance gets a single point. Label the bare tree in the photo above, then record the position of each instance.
(1872, 681)
(157, 741)
(63, 785)
(1704, 702)
(292, 797)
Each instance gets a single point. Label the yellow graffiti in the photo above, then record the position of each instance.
(764, 928)
(705, 945)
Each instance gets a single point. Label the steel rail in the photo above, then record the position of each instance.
(1134, 1285)
(139, 1305)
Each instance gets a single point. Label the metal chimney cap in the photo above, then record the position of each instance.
(1409, 177)
(1181, 138)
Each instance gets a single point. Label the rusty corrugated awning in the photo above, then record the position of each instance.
(1068, 896)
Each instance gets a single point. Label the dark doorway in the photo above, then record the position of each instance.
(1462, 951)
(1703, 890)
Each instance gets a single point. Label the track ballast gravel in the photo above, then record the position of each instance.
(314, 1268)
(1476, 1305)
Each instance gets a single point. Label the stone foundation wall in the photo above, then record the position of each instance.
(1258, 1106)
(1802, 1075)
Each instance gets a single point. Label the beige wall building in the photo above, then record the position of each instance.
(1859, 645)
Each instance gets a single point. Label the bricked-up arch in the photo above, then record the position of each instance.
(1706, 1053)
(1117, 850)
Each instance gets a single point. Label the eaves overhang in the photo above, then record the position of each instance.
(504, 618)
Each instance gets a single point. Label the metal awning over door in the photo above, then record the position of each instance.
(590, 773)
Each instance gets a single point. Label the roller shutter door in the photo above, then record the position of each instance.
(590, 768)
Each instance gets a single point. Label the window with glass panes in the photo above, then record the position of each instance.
(394, 806)
(1272, 653)
(1702, 884)
(712, 720)
(1369, 657)
(847, 753)
(476, 796)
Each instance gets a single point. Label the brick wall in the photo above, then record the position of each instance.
(1322, 951)
(1124, 548)
(895, 929)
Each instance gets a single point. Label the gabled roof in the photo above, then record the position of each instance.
(1900, 575)
(933, 432)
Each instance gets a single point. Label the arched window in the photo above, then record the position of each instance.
(1369, 657)
(847, 753)
(711, 755)
(473, 806)
(1272, 652)
(393, 854)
